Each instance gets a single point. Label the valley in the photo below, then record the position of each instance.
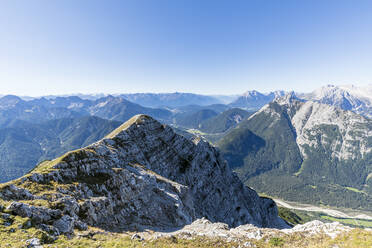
(333, 212)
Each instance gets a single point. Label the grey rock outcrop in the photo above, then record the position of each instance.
(203, 227)
(143, 175)
(36, 214)
(33, 243)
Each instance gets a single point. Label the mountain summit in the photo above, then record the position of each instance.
(348, 97)
(140, 175)
(254, 100)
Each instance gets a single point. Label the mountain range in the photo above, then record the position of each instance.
(81, 170)
(304, 151)
(349, 97)
(42, 128)
(254, 100)
(171, 99)
(43, 109)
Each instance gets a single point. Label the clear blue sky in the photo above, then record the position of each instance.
(211, 47)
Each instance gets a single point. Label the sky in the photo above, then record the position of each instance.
(207, 47)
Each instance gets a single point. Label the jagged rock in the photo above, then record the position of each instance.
(316, 226)
(81, 225)
(37, 214)
(136, 236)
(50, 229)
(68, 205)
(25, 225)
(248, 244)
(20, 209)
(15, 193)
(33, 243)
(203, 227)
(7, 219)
(348, 97)
(65, 224)
(5, 216)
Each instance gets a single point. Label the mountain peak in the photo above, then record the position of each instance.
(9, 101)
(287, 99)
(348, 97)
(10, 98)
(252, 93)
(137, 120)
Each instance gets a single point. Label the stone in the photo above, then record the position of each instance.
(33, 243)
(65, 225)
(316, 227)
(49, 229)
(27, 224)
(248, 244)
(15, 193)
(136, 237)
(37, 214)
(81, 225)
(5, 216)
(20, 209)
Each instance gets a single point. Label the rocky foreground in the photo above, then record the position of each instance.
(204, 227)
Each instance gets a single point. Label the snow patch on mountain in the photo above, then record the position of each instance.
(348, 97)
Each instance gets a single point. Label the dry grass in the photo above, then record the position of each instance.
(357, 238)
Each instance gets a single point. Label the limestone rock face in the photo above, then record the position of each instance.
(203, 227)
(141, 175)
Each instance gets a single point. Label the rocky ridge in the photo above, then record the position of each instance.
(347, 97)
(306, 117)
(142, 175)
(254, 100)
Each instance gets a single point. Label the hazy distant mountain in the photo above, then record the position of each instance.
(226, 99)
(304, 151)
(219, 108)
(91, 97)
(194, 119)
(73, 103)
(117, 108)
(348, 97)
(39, 110)
(170, 99)
(224, 121)
(24, 144)
(13, 108)
(254, 100)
